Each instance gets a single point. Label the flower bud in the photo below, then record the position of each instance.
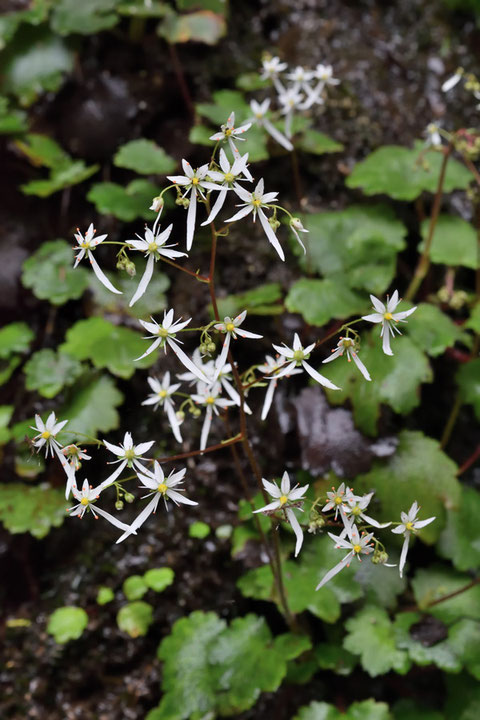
(157, 204)
(297, 224)
(274, 223)
(195, 412)
(379, 557)
(130, 268)
(211, 347)
(180, 415)
(129, 498)
(119, 505)
(203, 349)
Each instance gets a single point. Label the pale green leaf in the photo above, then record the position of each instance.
(364, 710)
(468, 379)
(125, 203)
(15, 338)
(262, 300)
(159, 579)
(464, 637)
(454, 242)
(48, 372)
(440, 653)
(105, 595)
(315, 142)
(433, 583)
(86, 17)
(318, 301)
(49, 273)
(460, 540)
(432, 330)
(135, 618)
(31, 509)
(134, 587)
(91, 406)
(67, 623)
(145, 157)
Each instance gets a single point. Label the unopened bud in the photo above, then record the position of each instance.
(274, 223)
(203, 349)
(129, 498)
(195, 412)
(119, 505)
(157, 204)
(297, 224)
(211, 347)
(180, 415)
(380, 557)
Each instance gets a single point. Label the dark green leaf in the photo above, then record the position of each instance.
(145, 157)
(76, 172)
(440, 653)
(31, 509)
(262, 300)
(460, 541)
(464, 637)
(91, 406)
(468, 379)
(432, 330)
(11, 121)
(48, 372)
(125, 203)
(86, 17)
(7, 368)
(436, 582)
(50, 274)
(6, 412)
(318, 301)
(15, 338)
(411, 710)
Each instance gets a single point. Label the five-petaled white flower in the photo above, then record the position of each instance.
(162, 395)
(194, 182)
(356, 544)
(74, 454)
(324, 75)
(127, 454)
(230, 174)
(285, 498)
(153, 245)
(337, 500)
(230, 133)
(297, 356)
(253, 202)
(160, 487)
(231, 328)
(86, 497)
(387, 316)
(408, 526)
(86, 245)
(347, 345)
(271, 69)
(290, 100)
(301, 78)
(47, 439)
(259, 118)
(354, 507)
(208, 396)
(165, 334)
(271, 367)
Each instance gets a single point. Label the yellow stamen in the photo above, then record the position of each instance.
(388, 316)
(162, 488)
(195, 181)
(162, 394)
(229, 177)
(45, 435)
(357, 548)
(210, 400)
(283, 499)
(409, 526)
(256, 203)
(84, 501)
(130, 454)
(229, 327)
(162, 332)
(229, 131)
(152, 246)
(338, 500)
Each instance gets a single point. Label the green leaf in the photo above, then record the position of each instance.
(454, 242)
(460, 540)
(432, 330)
(31, 509)
(200, 135)
(125, 203)
(105, 595)
(250, 81)
(138, 8)
(135, 618)
(9, 22)
(150, 303)
(371, 636)
(403, 173)
(11, 121)
(262, 300)
(107, 346)
(432, 583)
(420, 471)
(7, 368)
(318, 301)
(364, 710)
(85, 18)
(145, 157)
(332, 656)
(34, 63)
(203, 26)
(48, 372)
(315, 142)
(76, 172)
(463, 698)
(134, 587)
(199, 530)
(6, 412)
(301, 578)
(464, 637)
(43, 150)
(67, 623)
(411, 710)
(159, 579)
(91, 406)
(15, 338)
(381, 587)
(358, 246)
(395, 380)
(225, 102)
(468, 379)
(440, 654)
(49, 273)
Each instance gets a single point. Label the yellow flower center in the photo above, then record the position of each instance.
(347, 342)
(256, 202)
(162, 332)
(162, 488)
(229, 131)
(210, 400)
(45, 435)
(229, 327)
(338, 500)
(229, 177)
(356, 510)
(357, 548)
(388, 316)
(162, 394)
(84, 501)
(298, 355)
(283, 499)
(258, 115)
(195, 181)
(409, 526)
(130, 454)
(85, 244)
(152, 246)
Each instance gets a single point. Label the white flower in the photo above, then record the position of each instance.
(347, 345)
(253, 202)
(230, 133)
(231, 328)
(86, 499)
(47, 438)
(162, 395)
(164, 335)
(157, 204)
(300, 79)
(208, 396)
(355, 506)
(216, 372)
(154, 247)
(356, 544)
(433, 136)
(74, 454)
(271, 368)
(285, 498)
(127, 454)
(230, 174)
(297, 356)
(337, 500)
(271, 69)
(260, 119)
(290, 100)
(408, 526)
(296, 226)
(387, 316)
(86, 245)
(324, 73)
(160, 487)
(452, 81)
(194, 182)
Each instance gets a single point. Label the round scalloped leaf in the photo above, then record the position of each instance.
(199, 530)
(50, 275)
(432, 330)
(15, 338)
(317, 143)
(67, 623)
(460, 540)
(318, 301)
(430, 584)
(134, 587)
(86, 17)
(159, 579)
(468, 379)
(464, 637)
(420, 471)
(145, 157)
(91, 406)
(439, 652)
(135, 618)
(31, 509)
(48, 372)
(107, 346)
(203, 26)
(454, 242)
(125, 203)
(364, 710)
(404, 173)
(105, 595)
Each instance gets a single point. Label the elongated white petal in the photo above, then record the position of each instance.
(219, 202)
(373, 522)
(142, 448)
(101, 275)
(421, 523)
(451, 82)
(296, 529)
(338, 353)
(206, 428)
(386, 340)
(115, 449)
(143, 284)
(151, 349)
(222, 358)
(405, 313)
(172, 419)
(277, 135)
(271, 488)
(374, 318)
(240, 214)
(267, 403)
(111, 519)
(398, 530)
(403, 555)
(378, 305)
(271, 506)
(179, 498)
(285, 370)
(191, 216)
(319, 378)
(111, 478)
(285, 484)
(272, 238)
(335, 570)
(361, 366)
(189, 364)
(140, 519)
